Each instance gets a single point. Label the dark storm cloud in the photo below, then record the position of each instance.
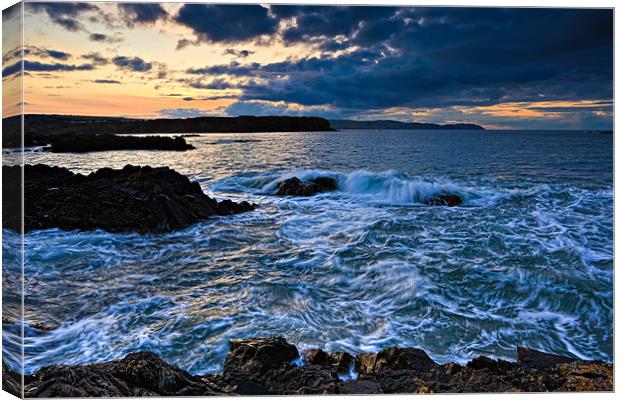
(135, 64)
(142, 13)
(326, 22)
(63, 14)
(435, 57)
(35, 66)
(11, 12)
(227, 23)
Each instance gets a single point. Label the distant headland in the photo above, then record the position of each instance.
(391, 124)
(80, 133)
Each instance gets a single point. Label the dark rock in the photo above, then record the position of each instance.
(531, 358)
(311, 379)
(229, 207)
(262, 366)
(483, 362)
(452, 368)
(395, 359)
(317, 357)
(256, 356)
(11, 381)
(84, 143)
(341, 361)
(444, 199)
(138, 199)
(359, 386)
(325, 183)
(584, 376)
(365, 363)
(295, 187)
(138, 374)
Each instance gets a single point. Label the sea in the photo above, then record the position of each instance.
(527, 260)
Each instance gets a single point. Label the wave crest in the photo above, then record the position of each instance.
(388, 187)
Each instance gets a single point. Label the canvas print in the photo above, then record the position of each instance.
(216, 199)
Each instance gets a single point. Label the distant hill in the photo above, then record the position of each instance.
(38, 126)
(389, 124)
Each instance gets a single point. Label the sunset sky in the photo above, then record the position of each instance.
(501, 68)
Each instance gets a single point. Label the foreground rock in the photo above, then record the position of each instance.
(295, 187)
(136, 199)
(266, 366)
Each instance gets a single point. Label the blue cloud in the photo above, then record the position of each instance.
(182, 113)
(136, 13)
(36, 66)
(63, 13)
(227, 23)
(433, 58)
(135, 64)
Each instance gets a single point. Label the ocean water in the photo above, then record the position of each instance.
(526, 261)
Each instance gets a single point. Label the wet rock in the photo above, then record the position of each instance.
(537, 359)
(341, 361)
(256, 356)
(295, 187)
(138, 199)
(585, 376)
(483, 362)
(452, 368)
(138, 374)
(395, 359)
(359, 386)
(317, 357)
(311, 379)
(229, 207)
(262, 366)
(365, 363)
(39, 325)
(11, 381)
(444, 199)
(237, 383)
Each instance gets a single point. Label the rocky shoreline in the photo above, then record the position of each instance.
(272, 366)
(131, 199)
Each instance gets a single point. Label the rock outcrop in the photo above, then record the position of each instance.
(132, 199)
(267, 366)
(444, 199)
(84, 143)
(296, 187)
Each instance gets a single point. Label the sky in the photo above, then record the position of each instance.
(503, 68)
